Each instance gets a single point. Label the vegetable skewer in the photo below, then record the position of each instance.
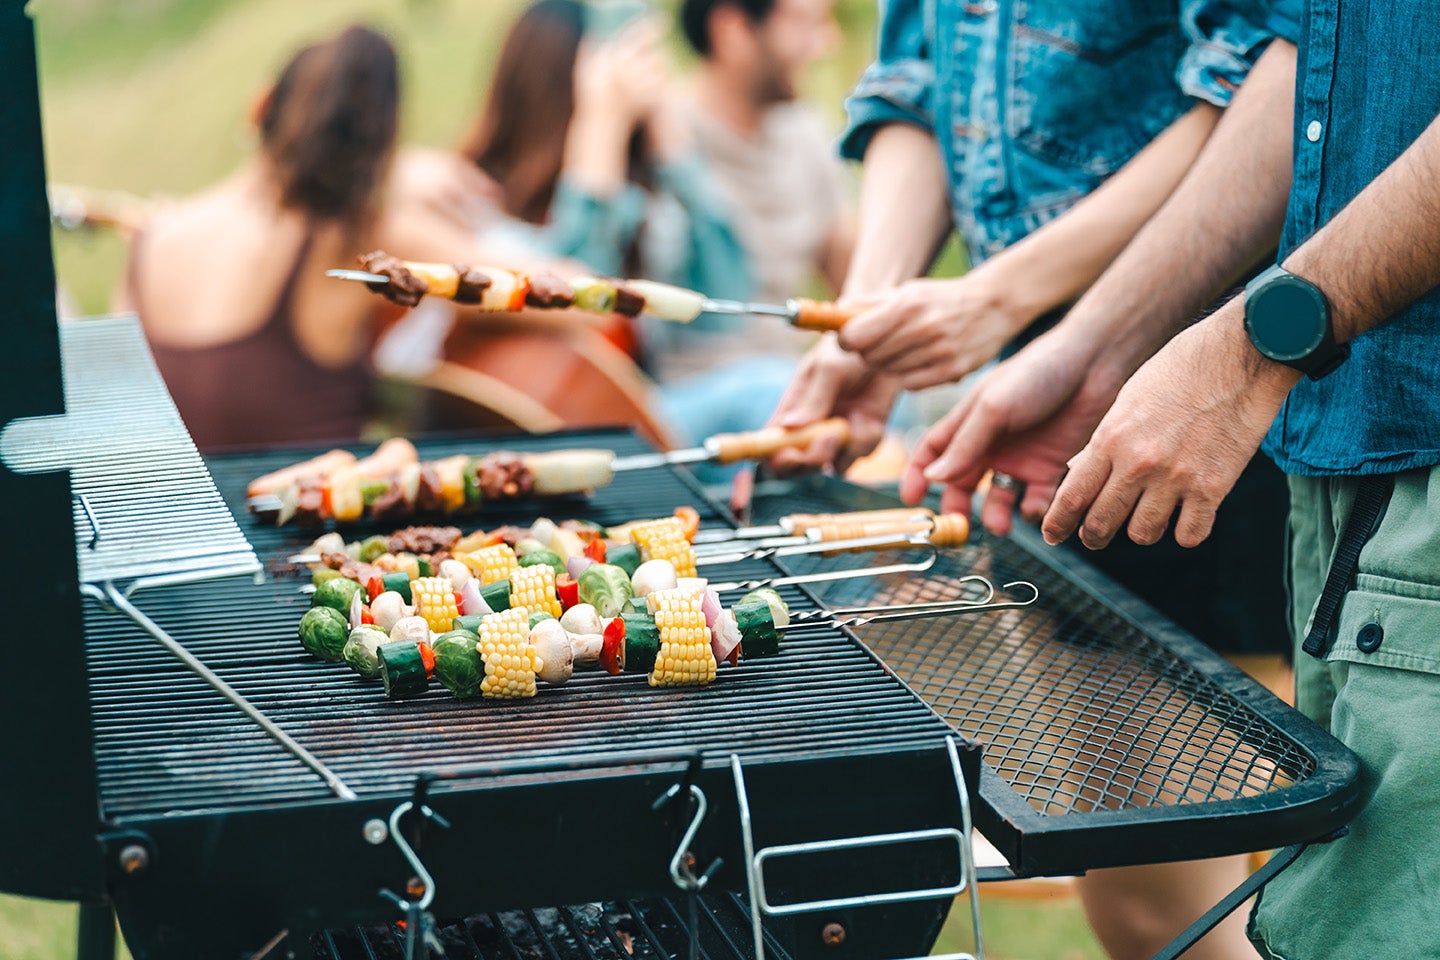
(496, 289)
(393, 483)
(796, 524)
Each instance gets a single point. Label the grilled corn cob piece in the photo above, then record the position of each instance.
(665, 539)
(533, 588)
(511, 661)
(685, 658)
(435, 601)
(491, 563)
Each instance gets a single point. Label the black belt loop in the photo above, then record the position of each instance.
(1371, 497)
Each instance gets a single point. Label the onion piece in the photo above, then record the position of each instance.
(692, 583)
(710, 606)
(472, 604)
(578, 565)
(724, 635)
(356, 602)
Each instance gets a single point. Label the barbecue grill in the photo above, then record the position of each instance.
(232, 797)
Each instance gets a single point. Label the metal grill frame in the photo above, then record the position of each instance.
(1036, 844)
(284, 854)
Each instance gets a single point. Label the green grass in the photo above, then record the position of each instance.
(40, 930)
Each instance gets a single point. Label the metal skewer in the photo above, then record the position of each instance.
(859, 616)
(796, 524)
(799, 312)
(720, 448)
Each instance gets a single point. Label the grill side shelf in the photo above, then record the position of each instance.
(1110, 737)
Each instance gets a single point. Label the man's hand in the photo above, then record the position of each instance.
(928, 332)
(831, 382)
(1178, 437)
(1025, 418)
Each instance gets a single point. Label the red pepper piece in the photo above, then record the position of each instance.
(568, 590)
(427, 656)
(459, 601)
(365, 615)
(734, 657)
(690, 518)
(373, 588)
(612, 648)
(595, 550)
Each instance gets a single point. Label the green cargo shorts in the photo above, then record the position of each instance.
(1375, 892)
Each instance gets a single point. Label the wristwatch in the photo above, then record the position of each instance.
(1288, 320)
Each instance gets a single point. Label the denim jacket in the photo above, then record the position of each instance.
(1035, 102)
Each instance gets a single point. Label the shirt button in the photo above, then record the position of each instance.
(1313, 131)
(1368, 640)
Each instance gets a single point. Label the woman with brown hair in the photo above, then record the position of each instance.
(577, 154)
(255, 344)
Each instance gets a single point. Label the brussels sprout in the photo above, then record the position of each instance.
(362, 650)
(458, 666)
(779, 609)
(547, 557)
(527, 545)
(337, 594)
(372, 548)
(323, 632)
(605, 587)
(324, 575)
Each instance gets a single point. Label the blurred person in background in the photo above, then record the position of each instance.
(774, 159)
(578, 155)
(255, 344)
(1047, 135)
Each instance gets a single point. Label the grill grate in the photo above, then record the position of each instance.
(165, 743)
(655, 929)
(149, 494)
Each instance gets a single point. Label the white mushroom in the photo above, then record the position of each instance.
(653, 575)
(586, 648)
(581, 618)
(411, 628)
(456, 571)
(553, 647)
(388, 609)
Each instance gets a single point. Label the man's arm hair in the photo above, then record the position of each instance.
(1382, 251)
(1222, 219)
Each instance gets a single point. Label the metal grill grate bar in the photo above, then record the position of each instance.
(131, 460)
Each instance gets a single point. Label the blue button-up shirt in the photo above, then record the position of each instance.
(1368, 85)
(1035, 102)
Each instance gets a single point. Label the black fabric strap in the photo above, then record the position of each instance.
(1371, 498)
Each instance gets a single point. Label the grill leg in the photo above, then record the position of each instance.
(97, 931)
(1272, 869)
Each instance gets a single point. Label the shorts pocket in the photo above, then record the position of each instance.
(1386, 622)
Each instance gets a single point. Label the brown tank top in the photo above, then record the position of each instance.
(263, 387)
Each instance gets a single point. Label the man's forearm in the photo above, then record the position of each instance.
(1381, 251)
(1061, 260)
(1225, 215)
(904, 210)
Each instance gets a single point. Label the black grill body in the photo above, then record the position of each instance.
(46, 755)
(549, 799)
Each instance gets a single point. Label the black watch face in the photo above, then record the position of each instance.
(1287, 319)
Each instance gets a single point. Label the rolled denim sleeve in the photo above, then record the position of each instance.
(1226, 38)
(898, 86)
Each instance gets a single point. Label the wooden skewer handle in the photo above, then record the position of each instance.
(800, 522)
(759, 444)
(944, 530)
(820, 315)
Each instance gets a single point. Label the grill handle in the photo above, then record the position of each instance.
(755, 863)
